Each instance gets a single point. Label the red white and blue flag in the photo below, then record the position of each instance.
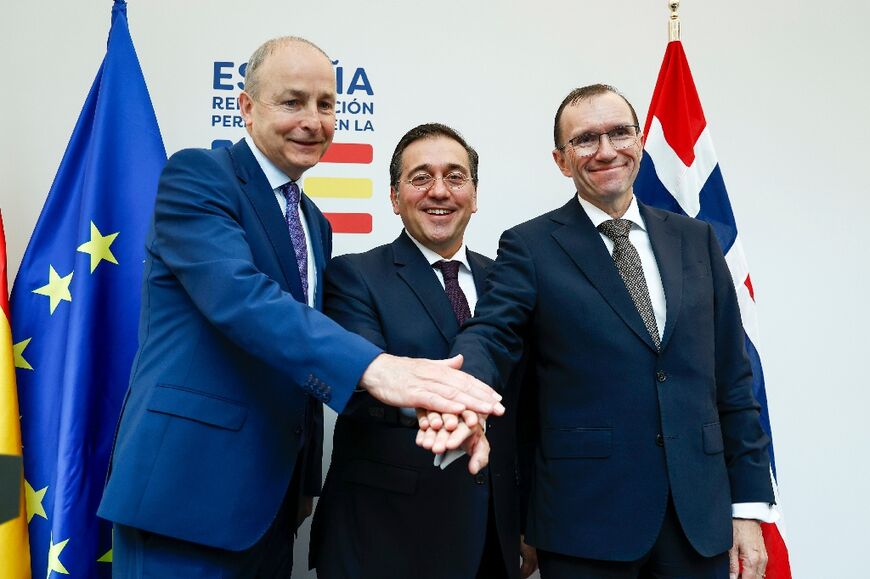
(680, 173)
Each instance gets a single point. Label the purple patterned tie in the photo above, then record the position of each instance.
(297, 234)
(450, 270)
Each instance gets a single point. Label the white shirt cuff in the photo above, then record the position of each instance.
(763, 512)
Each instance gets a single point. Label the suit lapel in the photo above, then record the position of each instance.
(583, 244)
(255, 186)
(417, 273)
(479, 269)
(667, 246)
(313, 218)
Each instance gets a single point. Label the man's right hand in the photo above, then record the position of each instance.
(437, 385)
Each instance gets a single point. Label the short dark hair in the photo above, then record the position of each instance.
(583, 93)
(429, 131)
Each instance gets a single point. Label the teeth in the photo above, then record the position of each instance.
(437, 211)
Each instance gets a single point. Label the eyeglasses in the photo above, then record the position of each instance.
(424, 181)
(587, 144)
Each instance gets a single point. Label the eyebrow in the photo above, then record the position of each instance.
(301, 94)
(428, 168)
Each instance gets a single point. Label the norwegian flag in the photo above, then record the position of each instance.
(680, 173)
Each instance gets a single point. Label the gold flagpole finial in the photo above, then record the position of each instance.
(674, 22)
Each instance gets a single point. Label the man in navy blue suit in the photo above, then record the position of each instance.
(410, 297)
(220, 435)
(650, 459)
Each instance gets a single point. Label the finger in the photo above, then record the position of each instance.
(471, 419)
(455, 362)
(733, 563)
(450, 421)
(440, 444)
(435, 420)
(420, 435)
(423, 421)
(429, 438)
(458, 436)
(751, 563)
(479, 456)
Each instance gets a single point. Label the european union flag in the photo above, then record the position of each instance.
(75, 306)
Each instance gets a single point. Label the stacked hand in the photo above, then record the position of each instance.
(452, 402)
(442, 432)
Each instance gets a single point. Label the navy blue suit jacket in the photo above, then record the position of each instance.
(381, 486)
(229, 358)
(620, 424)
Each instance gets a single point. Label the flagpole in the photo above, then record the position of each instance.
(674, 22)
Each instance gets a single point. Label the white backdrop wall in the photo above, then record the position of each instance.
(784, 85)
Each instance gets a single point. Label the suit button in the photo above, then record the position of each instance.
(660, 440)
(480, 478)
(661, 376)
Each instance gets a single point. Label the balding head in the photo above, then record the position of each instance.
(252, 80)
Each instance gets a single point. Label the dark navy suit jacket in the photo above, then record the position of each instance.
(621, 425)
(386, 511)
(229, 359)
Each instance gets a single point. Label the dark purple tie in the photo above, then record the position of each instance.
(450, 270)
(297, 234)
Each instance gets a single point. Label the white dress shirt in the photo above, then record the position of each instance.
(466, 279)
(277, 179)
(639, 237)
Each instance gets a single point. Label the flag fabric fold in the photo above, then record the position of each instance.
(14, 549)
(74, 307)
(680, 172)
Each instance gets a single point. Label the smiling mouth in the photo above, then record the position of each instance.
(605, 169)
(438, 211)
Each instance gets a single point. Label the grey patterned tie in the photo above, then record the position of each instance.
(628, 263)
(297, 234)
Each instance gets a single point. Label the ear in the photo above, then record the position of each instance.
(474, 201)
(246, 104)
(394, 200)
(562, 162)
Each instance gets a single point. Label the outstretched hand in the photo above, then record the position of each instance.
(436, 385)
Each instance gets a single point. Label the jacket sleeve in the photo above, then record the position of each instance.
(492, 341)
(198, 234)
(746, 444)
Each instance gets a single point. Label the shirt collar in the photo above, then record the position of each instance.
(461, 254)
(597, 216)
(275, 176)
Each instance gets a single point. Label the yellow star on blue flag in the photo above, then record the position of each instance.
(99, 247)
(33, 500)
(18, 355)
(57, 289)
(54, 551)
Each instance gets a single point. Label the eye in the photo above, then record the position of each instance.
(421, 180)
(620, 132)
(290, 104)
(456, 179)
(586, 140)
(326, 106)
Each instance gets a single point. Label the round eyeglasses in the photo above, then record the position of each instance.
(587, 144)
(424, 181)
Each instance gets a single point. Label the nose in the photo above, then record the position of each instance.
(309, 118)
(439, 189)
(605, 148)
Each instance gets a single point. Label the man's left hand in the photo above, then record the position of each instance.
(529, 556)
(748, 557)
